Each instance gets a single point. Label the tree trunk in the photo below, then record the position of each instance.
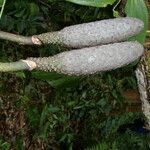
(143, 79)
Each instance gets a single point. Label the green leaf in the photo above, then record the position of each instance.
(52, 109)
(34, 9)
(46, 75)
(115, 13)
(64, 82)
(138, 9)
(20, 74)
(20, 13)
(56, 80)
(94, 3)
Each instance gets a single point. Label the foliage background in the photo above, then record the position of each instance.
(41, 110)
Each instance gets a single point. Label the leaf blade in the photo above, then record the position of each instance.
(138, 9)
(94, 3)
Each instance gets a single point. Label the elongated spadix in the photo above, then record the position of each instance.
(91, 60)
(94, 33)
(82, 61)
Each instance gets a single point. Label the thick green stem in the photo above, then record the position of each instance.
(16, 38)
(14, 66)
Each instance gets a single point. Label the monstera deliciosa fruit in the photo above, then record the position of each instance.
(101, 44)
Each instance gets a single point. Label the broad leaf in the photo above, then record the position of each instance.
(94, 3)
(46, 75)
(138, 9)
(64, 82)
(56, 80)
